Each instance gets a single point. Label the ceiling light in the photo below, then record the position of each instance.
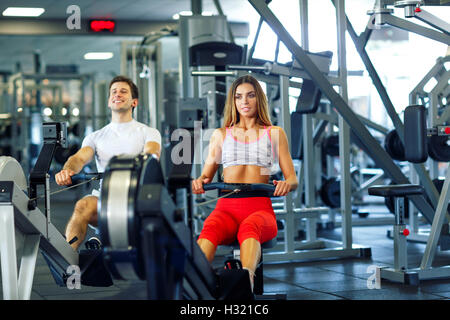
(176, 16)
(23, 12)
(98, 55)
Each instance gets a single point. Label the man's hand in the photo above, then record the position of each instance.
(76, 164)
(63, 178)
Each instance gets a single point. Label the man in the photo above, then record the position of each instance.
(123, 135)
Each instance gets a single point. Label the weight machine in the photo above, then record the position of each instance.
(416, 152)
(382, 15)
(438, 115)
(374, 150)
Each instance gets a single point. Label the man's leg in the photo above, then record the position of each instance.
(85, 213)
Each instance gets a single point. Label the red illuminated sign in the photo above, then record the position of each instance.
(102, 25)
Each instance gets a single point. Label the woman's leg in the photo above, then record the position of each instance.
(219, 228)
(257, 228)
(250, 256)
(208, 248)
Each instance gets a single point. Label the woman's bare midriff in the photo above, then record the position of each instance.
(245, 174)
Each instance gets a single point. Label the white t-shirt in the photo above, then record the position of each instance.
(119, 138)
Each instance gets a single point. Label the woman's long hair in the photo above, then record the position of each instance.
(231, 116)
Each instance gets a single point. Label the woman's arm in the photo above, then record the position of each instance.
(285, 160)
(212, 162)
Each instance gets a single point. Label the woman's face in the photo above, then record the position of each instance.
(245, 100)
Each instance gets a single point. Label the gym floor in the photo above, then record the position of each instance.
(334, 279)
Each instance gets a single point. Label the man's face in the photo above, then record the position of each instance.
(120, 98)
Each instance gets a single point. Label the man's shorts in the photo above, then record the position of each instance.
(95, 193)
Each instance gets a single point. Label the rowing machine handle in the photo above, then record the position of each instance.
(87, 176)
(241, 186)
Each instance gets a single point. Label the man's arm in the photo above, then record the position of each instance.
(152, 147)
(74, 165)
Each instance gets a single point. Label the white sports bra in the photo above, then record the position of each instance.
(258, 153)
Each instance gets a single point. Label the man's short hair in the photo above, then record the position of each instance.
(133, 87)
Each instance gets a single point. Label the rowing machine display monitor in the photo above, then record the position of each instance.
(55, 132)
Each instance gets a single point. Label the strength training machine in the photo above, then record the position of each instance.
(416, 152)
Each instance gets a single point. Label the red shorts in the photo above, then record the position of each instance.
(240, 218)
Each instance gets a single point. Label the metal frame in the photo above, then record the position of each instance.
(28, 230)
(433, 21)
(312, 248)
(16, 286)
(380, 16)
(150, 83)
(410, 26)
(378, 154)
(374, 149)
(289, 249)
(417, 96)
(418, 92)
(21, 142)
(360, 43)
(400, 272)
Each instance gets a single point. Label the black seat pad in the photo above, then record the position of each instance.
(397, 190)
(265, 245)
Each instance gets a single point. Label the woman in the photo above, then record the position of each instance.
(247, 147)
